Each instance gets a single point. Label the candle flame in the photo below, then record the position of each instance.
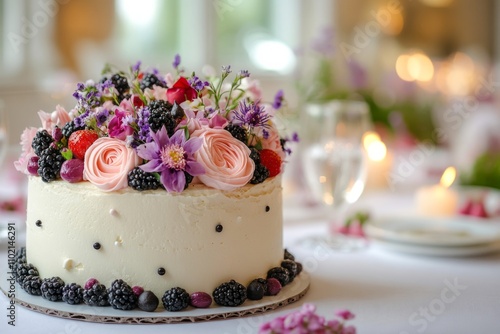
(374, 147)
(369, 137)
(448, 177)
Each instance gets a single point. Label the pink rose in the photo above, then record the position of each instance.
(27, 151)
(107, 163)
(226, 160)
(118, 126)
(181, 91)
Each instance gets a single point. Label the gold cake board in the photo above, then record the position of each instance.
(289, 294)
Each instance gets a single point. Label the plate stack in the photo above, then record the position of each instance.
(457, 236)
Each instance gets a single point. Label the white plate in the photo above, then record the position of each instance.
(437, 232)
(459, 251)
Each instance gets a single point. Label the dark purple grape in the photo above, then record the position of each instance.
(33, 165)
(72, 170)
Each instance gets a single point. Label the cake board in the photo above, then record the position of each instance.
(288, 295)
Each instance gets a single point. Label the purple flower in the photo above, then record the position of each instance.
(136, 67)
(226, 69)
(82, 119)
(278, 99)
(244, 74)
(102, 116)
(197, 84)
(252, 115)
(171, 157)
(345, 314)
(144, 133)
(177, 61)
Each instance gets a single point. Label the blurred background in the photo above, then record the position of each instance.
(427, 68)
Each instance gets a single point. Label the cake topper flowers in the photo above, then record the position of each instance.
(146, 130)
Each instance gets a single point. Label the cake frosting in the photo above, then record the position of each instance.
(166, 183)
(141, 232)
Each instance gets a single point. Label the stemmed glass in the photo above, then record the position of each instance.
(333, 162)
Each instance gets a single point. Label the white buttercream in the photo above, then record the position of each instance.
(140, 232)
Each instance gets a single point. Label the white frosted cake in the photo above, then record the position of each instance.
(156, 188)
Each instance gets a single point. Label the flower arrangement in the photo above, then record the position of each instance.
(148, 131)
(306, 321)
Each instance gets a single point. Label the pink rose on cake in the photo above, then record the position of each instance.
(226, 160)
(107, 163)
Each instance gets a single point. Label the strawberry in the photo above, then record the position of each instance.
(271, 160)
(80, 141)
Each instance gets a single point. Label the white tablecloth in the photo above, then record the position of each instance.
(388, 292)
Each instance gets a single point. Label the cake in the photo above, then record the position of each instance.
(156, 187)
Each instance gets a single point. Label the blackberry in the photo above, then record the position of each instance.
(292, 268)
(97, 295)
(175, 299)
(72, 294)
(50, 164)
(299, 267)
(141, 180)
(237, 132)
(121, 85)
(19, 259)
(260, 174)
(23, 270)
(160, 114)
(31, 284)
(52, 288)
(121, 296)
(279, 273)
(255, 155)
(288, 255)
(69, 128)
(230, 293)
(41, 142)
(150, 80)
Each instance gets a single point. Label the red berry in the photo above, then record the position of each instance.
(273, 287)
(271, 160)
(90, 283)
(80, 141)
(138, 290)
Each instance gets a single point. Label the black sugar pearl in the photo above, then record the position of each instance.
(268, 208)
(38, 223)
(97, 245)
(161, 271)
(219, 228)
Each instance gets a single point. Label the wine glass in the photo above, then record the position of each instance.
(333, 162)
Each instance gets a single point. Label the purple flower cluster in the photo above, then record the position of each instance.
(197, 84)
(306, 321)
(144, 133)
(278, 99)
(252, 115)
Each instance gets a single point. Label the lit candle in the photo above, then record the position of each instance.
(438, 200)
(379, 161)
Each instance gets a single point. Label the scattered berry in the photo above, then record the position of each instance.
(255, 155)
(31, 284)
(272, 161)
(299, 267)
(57, 134)
(50, 164)
(121, 85)
(52, 288)
(291, 266)
(80, 141)
(121, 296)
(260, 174)
(97, 295)
(90, 283)
(200, 300)
(72, 170)
(41, 142)
(288, 255)
(256, 289)
(69, 128)
(138, 290)
(23, 270)
(238, 132)
(230, 293)
(148, 301)
(33, 165)
(273, 287)
(141, 180)
(281, 274)
(175, 299)
(72, 294)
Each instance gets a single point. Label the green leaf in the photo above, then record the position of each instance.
(67, 154)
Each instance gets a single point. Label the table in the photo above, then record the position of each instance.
(388, 292)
